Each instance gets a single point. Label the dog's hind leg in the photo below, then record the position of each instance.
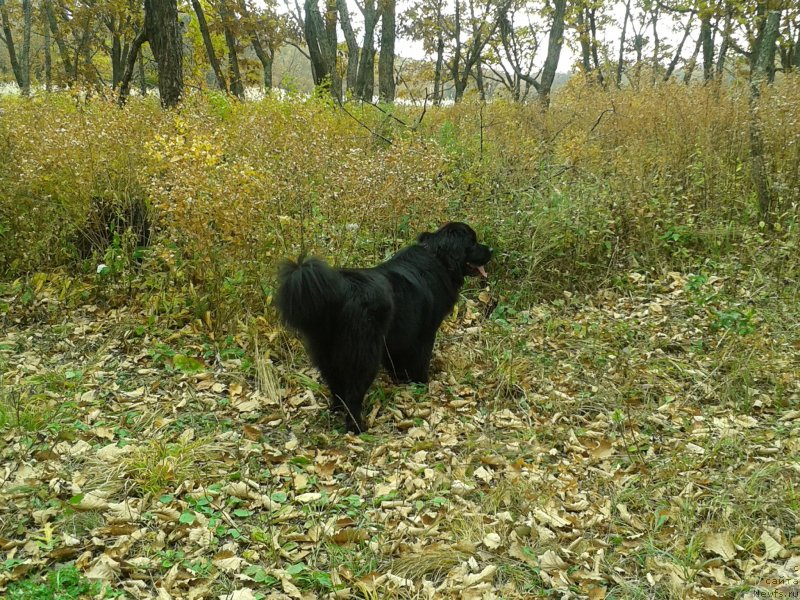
(349, 396)
(349, 376)
(352, 365)
(410, 365)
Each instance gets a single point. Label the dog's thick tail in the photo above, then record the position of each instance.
(310, 293)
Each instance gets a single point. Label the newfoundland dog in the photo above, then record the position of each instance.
(354, 320)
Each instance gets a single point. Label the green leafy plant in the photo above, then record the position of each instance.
(737, 321)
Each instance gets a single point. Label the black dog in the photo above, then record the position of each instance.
(355, 319)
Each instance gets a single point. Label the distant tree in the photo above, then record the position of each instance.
(142, 77)
(228, 19)
(622, 38)
(18, 62)
(515, 49)
(267, 30)
(81, 22)
(25, 56)
(209, 45)
(469, 34)
(321, 41)
(118, 18)
(677, 55)
(708, 13)
(352, 46)
(48, 58)
(520, 45)
(365, 77)
(424, 21)
(585, 21)
(646, 20)
(63, 51)
(726, 39)
(790, 40)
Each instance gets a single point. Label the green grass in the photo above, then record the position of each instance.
(66, 583)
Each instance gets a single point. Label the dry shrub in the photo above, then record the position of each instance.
(111, 217)
(604, 179)
(609, 179)
(63, 154)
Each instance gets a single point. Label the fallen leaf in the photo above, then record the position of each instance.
(492, 541)
(308, 497)
(550, 561)
(487, 574)
(105, 568)
(227, 561)
(772, 547)
(721, 544)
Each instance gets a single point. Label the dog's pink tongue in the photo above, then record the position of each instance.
(482, 271)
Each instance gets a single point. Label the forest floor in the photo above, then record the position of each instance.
(638, 442)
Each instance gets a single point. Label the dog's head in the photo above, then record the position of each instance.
(456, 244)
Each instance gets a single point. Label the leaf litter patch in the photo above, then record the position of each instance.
(616, 444)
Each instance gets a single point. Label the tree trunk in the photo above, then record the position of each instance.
(164, 36)
(83, 49)
(210, 52)
(369, 81)
(763, 53)
(266, 68)
(365, 78)
(117, 65)
(48, 58)
(25, 57)
(265, 57)
(479, 80)
(162, 31)
(331, 15)
(321, 40)
(119, 51)
(708, 47)
(692, 62)
(8, 36)
(124, 85)
(63, 52)
(553, 52)
(313, 31)
(513, 79)
(770, 58)
(723, 47)
(583, 36)
(352, 46)
(656, 45)
(124, 57)
(458, 90)
(142, 78)
(593, 31)
(674, 62)
(386, 83)
(620, 61)
(237, 87)
(796, 52)
(437, 74)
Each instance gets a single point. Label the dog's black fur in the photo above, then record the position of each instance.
(354, 320)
